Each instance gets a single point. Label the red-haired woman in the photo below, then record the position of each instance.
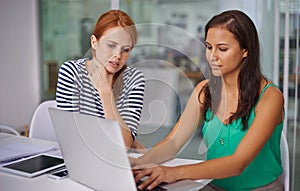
(103, 85)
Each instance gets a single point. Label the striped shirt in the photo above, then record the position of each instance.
(76, 93)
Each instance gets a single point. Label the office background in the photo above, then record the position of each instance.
(36, 36)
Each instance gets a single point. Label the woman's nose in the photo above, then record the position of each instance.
(117, 54)
(212, 56)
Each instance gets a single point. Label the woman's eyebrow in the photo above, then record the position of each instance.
(218, 44)
(222, 44)
(114, 42)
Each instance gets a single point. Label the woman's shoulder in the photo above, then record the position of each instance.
(73, 64)
(201, 85)
(271, 101)
(134, 73)
(73, 67)
(198, 90)
(78, 62)
(269, 88)
(270, 94)
(130, 69)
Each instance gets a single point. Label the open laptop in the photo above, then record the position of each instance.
(95, 155)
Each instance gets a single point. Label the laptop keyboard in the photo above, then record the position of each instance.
(157, 188)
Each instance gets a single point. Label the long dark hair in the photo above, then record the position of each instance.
(249, 79)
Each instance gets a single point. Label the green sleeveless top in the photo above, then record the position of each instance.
(222, 140)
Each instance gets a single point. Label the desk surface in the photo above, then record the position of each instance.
(11, 182)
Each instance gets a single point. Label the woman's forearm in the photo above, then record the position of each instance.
(160, 153)
(111, 112)
(216, 168)
(181, 132)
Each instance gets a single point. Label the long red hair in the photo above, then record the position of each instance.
(115, 18)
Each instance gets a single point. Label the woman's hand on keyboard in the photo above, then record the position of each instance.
(156, 175)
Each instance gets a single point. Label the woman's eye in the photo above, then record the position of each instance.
(223, 49)
(126, 50)
(111, 45)
(208, 47)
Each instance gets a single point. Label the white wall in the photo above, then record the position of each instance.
(19, 62)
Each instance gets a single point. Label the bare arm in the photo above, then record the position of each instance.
(181, 132)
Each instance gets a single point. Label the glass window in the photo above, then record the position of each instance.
(65, 34)
(289, 80)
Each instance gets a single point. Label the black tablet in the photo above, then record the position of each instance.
(33, 166)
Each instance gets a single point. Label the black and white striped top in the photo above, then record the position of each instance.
(76, 93)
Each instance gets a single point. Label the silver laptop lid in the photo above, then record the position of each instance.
(93, 150)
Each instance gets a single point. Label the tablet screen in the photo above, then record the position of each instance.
(35, 165)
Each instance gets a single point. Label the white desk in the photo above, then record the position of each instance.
(11, 182)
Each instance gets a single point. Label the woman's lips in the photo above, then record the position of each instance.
(215, 66)
(114, 64)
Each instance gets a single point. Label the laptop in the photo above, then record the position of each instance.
(95, 155)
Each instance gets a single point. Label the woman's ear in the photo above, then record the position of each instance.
(94, 41)
(245, 53)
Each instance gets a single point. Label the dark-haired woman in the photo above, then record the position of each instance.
(241, 111)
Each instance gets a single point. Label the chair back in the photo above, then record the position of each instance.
(41, 125)
(285, 178)
(10, 130)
